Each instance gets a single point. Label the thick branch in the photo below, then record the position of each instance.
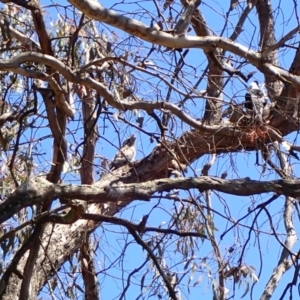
(98, 12)
(13, 65)
(37, 190)
(191, 42)
(267, 39)
(281, 42)
(213, 105)
(239, 26)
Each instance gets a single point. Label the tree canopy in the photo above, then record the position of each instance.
(136, 161)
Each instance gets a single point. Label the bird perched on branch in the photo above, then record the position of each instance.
(125, 154)
(256, 99)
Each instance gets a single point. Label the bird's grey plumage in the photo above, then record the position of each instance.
(256, 99)
(125, 154)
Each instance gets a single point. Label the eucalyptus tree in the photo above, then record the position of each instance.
(133, 166)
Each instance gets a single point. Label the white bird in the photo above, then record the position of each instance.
(125, 154)
(256, 99)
